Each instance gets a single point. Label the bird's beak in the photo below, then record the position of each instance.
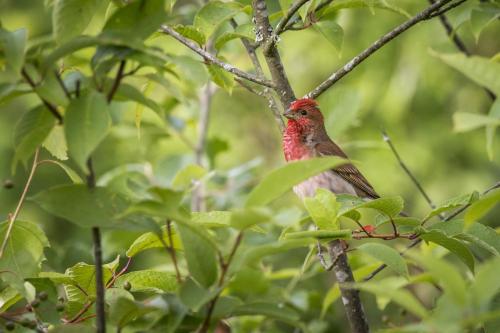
(289, 114)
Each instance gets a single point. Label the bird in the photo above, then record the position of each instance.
(305, 137)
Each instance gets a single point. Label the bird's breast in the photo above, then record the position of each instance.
(328, 180)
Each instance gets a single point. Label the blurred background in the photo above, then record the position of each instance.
(402, 89)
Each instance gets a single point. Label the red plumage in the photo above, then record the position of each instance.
(305, 137)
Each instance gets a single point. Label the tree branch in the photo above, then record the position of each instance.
(350, 297)
(458, 42)
(52, 108)
(264, 32)
(417, 241)
(197, 200)
(288, 15)
(212, 59)
(13, 217)
(224, 269)
(117, 81)
(258, 69)
(378, 44)
(407, 170)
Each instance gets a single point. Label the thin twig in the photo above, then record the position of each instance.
(61, 83)
(210, 58)
(417, 241)
(224, 270)
(407, 170)
(52, 108)
(172, 251)
(290, 25)
(459, 43)
(354, 62)
(117, 81)
(445, 9)
(288, 15)
(258, 69)
(100, 290)
(13, 217)
(197, 199)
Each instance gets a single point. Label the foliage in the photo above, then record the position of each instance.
(115, 108)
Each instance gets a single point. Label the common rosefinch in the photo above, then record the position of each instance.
(305, 137)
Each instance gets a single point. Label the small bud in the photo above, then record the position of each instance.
(8, 184)
(127, 286)
(35, 303)
(60, 307)
(43, 296)
(29, 308)
(61, 299)
(26, 322)
(10, 325)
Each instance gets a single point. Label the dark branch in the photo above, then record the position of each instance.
(52, 108)
(457, 41)
(288, 15)
(210, 58)
(224, 269)
(407, 170)
(264, 32)
(61, 83)
(117, 81)
(354, 62)
(172, 251)
(258, 69)
(417, 241)
(99, 301)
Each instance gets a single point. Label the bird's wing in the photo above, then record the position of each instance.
(347, 171)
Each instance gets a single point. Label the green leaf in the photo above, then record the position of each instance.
(13, 48)
(282, 179)
(486, 284)
(87, 122)
(212, 219)
(481, 17)
(199, 252)
(389, 206)
(30, 132)
(128, 92)
(81, 205)
(149, 281)
(447, 275)
(213, 14)
(481, 207)
(71, 17)
(191, 32)
(137, 20)
(75, 178)
(8, 297)
(466, 121)
(320, 234)
(400, 296)
(222, 78)
(247, 218)
(453, 203)
(271, 310)
(23, 254)
(151, 240)
(491, 129)
(188, 176)
(333, 32)
(483, 71)
(253, 255)
(55, 143)
(387, 255)
(195, 296)
(241, 31)
(453, 245)
(370, 4)
(123, 311)
(323, 209)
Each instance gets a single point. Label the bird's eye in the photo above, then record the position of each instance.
(303, 112)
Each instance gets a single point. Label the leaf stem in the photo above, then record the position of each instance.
(13, 217)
